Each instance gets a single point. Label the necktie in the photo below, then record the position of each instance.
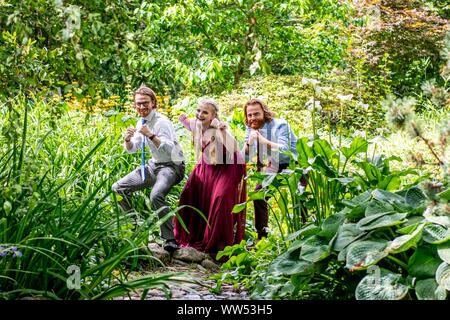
(143, 155)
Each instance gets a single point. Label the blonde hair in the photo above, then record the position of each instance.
(211, 103)
(197, 134)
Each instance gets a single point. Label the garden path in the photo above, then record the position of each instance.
(196, 269)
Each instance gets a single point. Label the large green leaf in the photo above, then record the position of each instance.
(289, 263)
(257, 195)
(342, 256)
(297, 244)
(382, 195)
(424, 262)
(441, 293)
(358, 145)
(315, 249)
(445, 195)
(390, 183)
(356, 207)
(378, 207)
(410, 225)
(347, 233)
(443, 275)
(381, 285)
(325, 167)
(365, 253)
(396, 200)
(323, 148)
(269, 178)
(358, 200)
(239, 207)
(381, 220)
(331, 225)
(444, 251)
(427, 289)
(435, 233)
(372, 173)
(405, 242)
(305, 153)
(414, 197)
(305, 231)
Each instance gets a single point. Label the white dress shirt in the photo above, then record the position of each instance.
(169, 150)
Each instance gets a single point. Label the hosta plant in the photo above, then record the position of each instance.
(401, 239)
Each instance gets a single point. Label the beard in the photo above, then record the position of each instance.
(256, 124)
(144, 113)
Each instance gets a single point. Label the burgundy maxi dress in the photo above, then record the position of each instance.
(214, 190)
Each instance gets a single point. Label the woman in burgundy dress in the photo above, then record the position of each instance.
(214, 187)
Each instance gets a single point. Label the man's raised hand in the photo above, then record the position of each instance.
(145, 131)
(129, 133)
(254, 135)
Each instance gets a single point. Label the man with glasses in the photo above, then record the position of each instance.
(163, 171)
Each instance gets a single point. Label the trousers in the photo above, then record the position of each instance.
(160, 177)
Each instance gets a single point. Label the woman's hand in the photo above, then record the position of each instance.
(223, 125)
(182, 117)
(215, 123)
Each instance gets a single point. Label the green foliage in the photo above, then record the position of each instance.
(244, 265)
(397, 243)
(323, 181)
(99, 46)
(51, 45)
(57, 210)
(407, 34)
(400, 114)
(320, 242)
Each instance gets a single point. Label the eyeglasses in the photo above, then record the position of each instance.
(143, 104)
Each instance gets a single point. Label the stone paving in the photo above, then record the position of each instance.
(196, 268)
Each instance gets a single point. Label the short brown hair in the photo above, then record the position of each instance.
(144, 90)
(268, 115)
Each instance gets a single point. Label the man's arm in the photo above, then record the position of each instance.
(246, 147)
(283, 137)
(164, 140)
(275, 146)
(152, 136)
